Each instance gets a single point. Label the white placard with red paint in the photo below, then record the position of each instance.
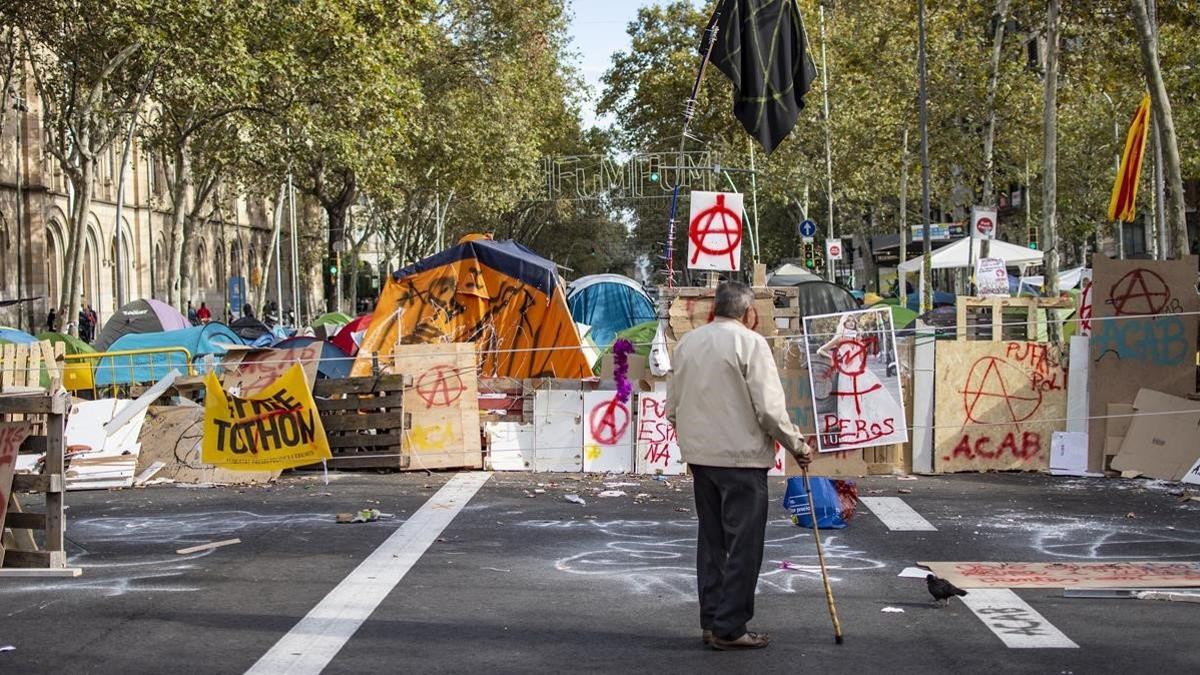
(1085, 304)
(854, 370)
(657, 445)
(607, 433)
(834, 250)
(715, 231)
(983, 222)
(991, 278)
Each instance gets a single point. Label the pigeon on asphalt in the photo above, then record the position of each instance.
(942, 590)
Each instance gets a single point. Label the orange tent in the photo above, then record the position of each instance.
(497, 294)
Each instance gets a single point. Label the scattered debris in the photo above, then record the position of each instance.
(208, 546)
(906, 478)
(494, 569)
(1171, 596)
(575, 499)
(1130, 474)
(1131, 514)
(892, 610)
(617, 485)
(141, 479)
(539, 491)
(682, 510)
(612, 493)
(361, 516)
(660, 478)
(914, 573)
(8, 648)
(874, 492)
(904, 491)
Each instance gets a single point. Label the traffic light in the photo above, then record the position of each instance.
(1033, 237)
(333, 270)
(810, 254)
(655, 175)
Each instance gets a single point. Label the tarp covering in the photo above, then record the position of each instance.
(15, 336)
(73, 344)
(350, 335)
(139, 316)
(335, 363)
(609, 303)
(331, 319)
(497, 294)
(249, 328)
(198, 340)
(821, 297)
(960, 254)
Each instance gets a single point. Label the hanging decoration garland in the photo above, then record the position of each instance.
(621, 350)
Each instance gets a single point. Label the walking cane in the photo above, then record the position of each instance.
(837, 625)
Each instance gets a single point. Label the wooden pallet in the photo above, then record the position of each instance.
(22, 550)
(999, 319)
(364, 420)
(785, 301)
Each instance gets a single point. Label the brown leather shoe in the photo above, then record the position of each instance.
(706, 636)
(746, 641)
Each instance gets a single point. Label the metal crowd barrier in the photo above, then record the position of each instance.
(123, 366)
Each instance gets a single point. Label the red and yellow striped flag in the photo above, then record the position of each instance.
(1123, 204)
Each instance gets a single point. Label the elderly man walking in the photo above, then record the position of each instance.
(727, 404)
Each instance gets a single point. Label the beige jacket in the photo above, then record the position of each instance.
(725, 398)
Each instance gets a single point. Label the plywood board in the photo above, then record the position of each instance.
(1164, 438)
(998, 404)
(1144, 330)
(510, 446)
(557, 430)
(657, 444)
(607, 433)
(1078, 387)
(442, 404)
(12, 434)
(1068, 575)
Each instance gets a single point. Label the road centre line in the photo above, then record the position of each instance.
(1017, 624)
(896, 514)
(313, 642)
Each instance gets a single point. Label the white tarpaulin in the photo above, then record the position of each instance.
(959, 254)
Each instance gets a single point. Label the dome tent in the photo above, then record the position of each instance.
(140, 316)
(609, 303)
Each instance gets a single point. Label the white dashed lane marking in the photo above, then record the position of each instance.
(896, 514)
(1017, 624)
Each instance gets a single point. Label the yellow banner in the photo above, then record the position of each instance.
(277, 428)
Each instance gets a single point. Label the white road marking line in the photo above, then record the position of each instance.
(1014, 621)
(316, 639)
(896, 514)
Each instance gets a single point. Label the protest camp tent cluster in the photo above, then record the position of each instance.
(609, 304)
(498, 294)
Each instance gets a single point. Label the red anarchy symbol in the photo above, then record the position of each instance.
(989, 380)
(850, 360)
(702, 228)
(1145, 289)
(440, 386)
(608, 422)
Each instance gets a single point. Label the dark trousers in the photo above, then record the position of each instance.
(731, 505)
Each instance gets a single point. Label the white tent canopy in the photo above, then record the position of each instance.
(960, 255)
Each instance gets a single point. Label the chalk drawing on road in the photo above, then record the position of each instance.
(1094, 539)
(659, 556)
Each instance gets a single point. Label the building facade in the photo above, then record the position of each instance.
(35, 202)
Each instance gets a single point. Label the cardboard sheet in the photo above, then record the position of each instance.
(172, 435)
(998, 403)
(1151, 342)
(1162, 442)
(970, 575)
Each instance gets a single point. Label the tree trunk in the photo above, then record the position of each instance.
(72, 280)
(179, 292)
(1174, 209)
(336, 213)
(989, 134)
(1050, 164)
(902, 277)
(353, 281)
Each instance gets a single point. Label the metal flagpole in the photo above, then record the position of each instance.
(295, 253)
(828, 140)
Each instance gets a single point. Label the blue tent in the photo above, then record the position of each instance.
(335, 363)
(199, 341)
(609, 303)
(17, 337)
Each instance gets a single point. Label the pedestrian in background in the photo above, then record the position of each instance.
(52, 320)
(204, 314)
(727, 405)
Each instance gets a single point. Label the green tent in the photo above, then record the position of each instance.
(331, 319)
(73, 344)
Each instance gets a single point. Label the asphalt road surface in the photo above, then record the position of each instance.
(489, 575)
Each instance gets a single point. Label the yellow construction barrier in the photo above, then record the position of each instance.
(79, 370)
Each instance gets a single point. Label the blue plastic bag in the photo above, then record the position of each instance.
(825, 496)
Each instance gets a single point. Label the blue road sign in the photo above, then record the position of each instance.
(237, 294)
(808, 229)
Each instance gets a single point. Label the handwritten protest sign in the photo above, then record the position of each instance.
(277, 428)
(12, 434)
(854, 367)
(991, 278)
(997, 405)
(797, 393)
(248, 372)
(607, 433)
(1067, 574)
(1144, 325)
(657, 444)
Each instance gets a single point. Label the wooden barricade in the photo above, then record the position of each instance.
(999, 319)
(21, 548)
(364, 420)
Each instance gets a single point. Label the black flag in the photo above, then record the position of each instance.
(762, 48)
